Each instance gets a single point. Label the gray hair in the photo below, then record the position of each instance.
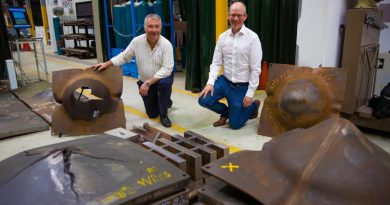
(152, 16)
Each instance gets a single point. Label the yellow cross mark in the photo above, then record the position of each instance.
(230, 166)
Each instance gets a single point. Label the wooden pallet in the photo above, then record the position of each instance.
(79, 52)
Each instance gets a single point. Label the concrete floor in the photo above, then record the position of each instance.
(185, 114)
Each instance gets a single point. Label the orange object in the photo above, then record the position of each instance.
(263, 76)
(26, 47)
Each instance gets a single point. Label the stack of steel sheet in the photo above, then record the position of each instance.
(96, 170)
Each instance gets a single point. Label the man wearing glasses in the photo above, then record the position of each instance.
(239, 50)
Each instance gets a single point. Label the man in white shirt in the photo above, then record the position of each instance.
(239, 50)
(154, 57)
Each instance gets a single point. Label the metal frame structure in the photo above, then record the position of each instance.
(135, 26)
(40, 58)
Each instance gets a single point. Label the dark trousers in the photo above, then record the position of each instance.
(157, 100)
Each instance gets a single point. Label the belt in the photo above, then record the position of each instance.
(236, 84)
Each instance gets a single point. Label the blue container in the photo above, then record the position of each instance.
(128, 69)
(123, 25)
(158, 9)
(141, 12)
(150, 7)
(117, 26)
(129, 22)
(58, 32)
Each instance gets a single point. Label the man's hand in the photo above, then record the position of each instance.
(102, 66)
(208, 88)
(143, 90)
(247, 101)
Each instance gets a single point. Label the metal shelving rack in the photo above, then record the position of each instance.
(112, 51)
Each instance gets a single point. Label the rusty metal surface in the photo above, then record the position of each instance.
(217, 192)
(42, 103)
(189, 152)
(300, 97)
(329, 163)
(149, 133)
(103, 111)
(16, 118)
(94, 170)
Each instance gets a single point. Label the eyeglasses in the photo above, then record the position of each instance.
(236, 15)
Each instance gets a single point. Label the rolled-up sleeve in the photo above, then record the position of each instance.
(167, 62)
(125, 56)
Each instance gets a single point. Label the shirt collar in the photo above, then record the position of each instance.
(241, 32)
(146, 41)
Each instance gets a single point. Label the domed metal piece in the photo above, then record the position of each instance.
(331, 163)
(300, 97)
(78, 114)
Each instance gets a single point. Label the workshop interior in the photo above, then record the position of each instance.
(72, 134)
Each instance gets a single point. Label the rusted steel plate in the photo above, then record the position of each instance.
(171, 157)
(6, 95)
(103, 111)
(42, 103)
(217, 192)
(95, 170)
(150, 134)
(208, 154)
(16, 118)
(222, 150)
(194, 160)
(329, 163)
(300, 97)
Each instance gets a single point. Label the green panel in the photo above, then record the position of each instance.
(166, 31)
(4, 47)
(275, 21)
(183, 9)
(200, 42)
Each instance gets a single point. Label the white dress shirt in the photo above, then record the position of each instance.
(156, 63)
(241, 55)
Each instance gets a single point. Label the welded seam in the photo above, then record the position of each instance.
(300, 188)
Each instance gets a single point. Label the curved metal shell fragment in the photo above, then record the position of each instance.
(300, 97)
(87, 113)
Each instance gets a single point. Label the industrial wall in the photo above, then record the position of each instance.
(319, 33)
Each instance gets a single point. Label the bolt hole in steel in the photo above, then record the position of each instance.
(90, 101)
(87, 99)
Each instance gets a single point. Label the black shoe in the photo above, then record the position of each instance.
(170, 102)
(165, 121)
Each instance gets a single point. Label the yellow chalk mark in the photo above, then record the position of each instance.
(230, 166)
(151, 170)
(154, 178)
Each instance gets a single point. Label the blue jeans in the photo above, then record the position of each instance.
(157, 101)
(234, 92)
